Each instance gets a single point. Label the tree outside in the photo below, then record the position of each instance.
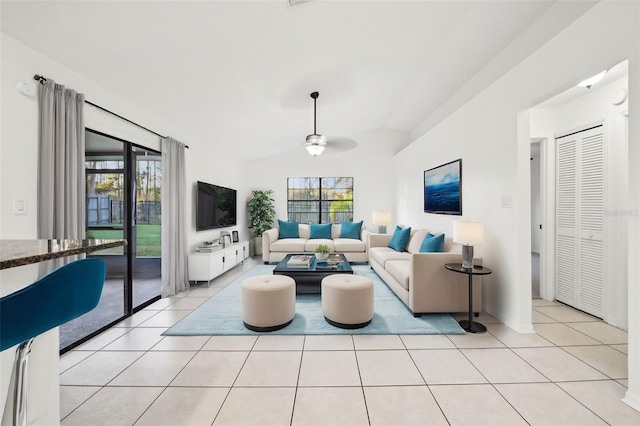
(320, 200)
(105, 202)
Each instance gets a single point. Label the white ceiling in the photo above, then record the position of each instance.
(240, 72)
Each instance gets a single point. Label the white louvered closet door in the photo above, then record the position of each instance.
(580, 220)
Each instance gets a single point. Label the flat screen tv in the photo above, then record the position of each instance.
(443, 189)
(215, 207)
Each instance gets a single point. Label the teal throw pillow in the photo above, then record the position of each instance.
(288, 229)
(350, 230)
(320, 230)
(400, 238)
(432, 243)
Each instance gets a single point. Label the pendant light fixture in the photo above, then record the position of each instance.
(315, 143)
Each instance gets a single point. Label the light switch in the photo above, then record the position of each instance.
(506, 201)
(20, 206)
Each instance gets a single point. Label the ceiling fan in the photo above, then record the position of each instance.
(316, 143)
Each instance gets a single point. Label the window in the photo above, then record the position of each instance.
(320, 199)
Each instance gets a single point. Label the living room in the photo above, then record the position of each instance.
(485, 123)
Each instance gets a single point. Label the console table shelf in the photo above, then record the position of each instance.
(207, 266)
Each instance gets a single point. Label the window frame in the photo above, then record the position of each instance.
(321, 202)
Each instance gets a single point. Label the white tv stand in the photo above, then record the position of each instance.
(207, 266)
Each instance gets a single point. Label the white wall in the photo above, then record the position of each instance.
(495, 151)
(370, 164)
(209, 162)
(591, 108)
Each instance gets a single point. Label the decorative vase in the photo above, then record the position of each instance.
(257, 246)
(322, 256)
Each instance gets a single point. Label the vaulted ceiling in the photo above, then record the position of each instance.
(240, 72)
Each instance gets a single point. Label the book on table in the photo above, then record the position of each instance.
(302, 261)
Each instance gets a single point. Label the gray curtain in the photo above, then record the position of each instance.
(174, 218)
(61, 182)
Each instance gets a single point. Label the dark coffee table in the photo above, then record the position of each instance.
(308, 279)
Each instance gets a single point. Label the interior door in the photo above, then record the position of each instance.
(580, 220)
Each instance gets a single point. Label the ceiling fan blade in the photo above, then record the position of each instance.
(340, 144)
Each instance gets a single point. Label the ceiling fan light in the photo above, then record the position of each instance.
(315, 144)
(314, 149)
(592, 80)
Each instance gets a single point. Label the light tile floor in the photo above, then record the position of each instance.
(572, 371)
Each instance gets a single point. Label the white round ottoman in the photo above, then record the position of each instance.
(268, 302)
(347, 300)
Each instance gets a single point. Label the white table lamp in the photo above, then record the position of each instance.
(468, 234)
(381, 219)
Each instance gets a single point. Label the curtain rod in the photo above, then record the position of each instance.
(42, 79)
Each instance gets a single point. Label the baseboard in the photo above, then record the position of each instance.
(518, 328)
(632, 400)
(522, 328)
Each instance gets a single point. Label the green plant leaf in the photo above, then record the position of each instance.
(261, 211)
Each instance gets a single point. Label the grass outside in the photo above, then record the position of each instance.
(147, 241)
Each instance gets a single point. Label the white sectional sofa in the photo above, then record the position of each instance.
(420, 279)
(274, 249)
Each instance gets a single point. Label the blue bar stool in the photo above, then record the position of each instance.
(66, 293)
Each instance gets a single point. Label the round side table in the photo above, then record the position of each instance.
(470, 325)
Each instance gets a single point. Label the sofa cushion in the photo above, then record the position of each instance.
(451, 247)
(320, 230)
(432, 243)
(311, 244)
(384, 254)
(335, 231)
(304, 230)
(399, 269)
(288, 245)
(349, 245)
(400, 238)
(417, 236)
(350, 230)
(288, 229)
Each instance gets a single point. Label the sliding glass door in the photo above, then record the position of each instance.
(123, 183)
(146, 225)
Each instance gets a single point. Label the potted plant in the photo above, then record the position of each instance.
(322, 251)
(261, 215)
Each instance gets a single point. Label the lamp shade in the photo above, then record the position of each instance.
(468, 233)
(381, 218)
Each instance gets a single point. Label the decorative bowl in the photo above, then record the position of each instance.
(322, 256)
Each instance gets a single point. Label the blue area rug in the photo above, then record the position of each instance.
(221, 314)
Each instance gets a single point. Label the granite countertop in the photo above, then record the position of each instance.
(24, 252)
